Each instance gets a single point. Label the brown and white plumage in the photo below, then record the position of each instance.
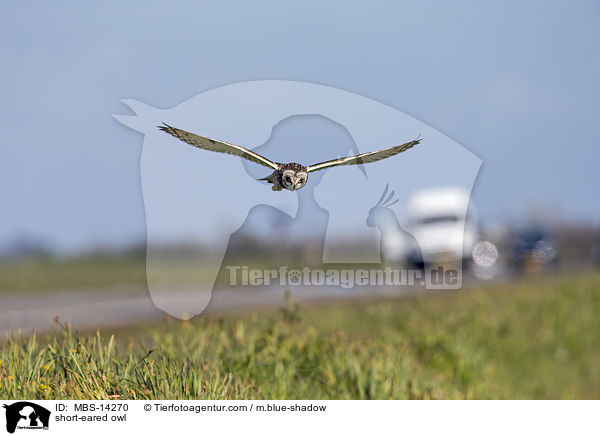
(218, 146)
(291, 176)
(372, 156)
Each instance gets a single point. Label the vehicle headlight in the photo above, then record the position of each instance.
(485, 254)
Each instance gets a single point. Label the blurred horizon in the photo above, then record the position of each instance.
(516, 84)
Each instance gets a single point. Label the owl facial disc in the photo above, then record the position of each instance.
(293, 180)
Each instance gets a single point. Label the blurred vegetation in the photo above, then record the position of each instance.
(100, 270)
(84, 271)
(534, 339)
(104, 270)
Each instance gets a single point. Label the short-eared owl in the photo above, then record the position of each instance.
(291, 176)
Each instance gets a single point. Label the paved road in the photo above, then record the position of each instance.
(128, 306)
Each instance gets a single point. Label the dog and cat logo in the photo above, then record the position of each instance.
(26, 415)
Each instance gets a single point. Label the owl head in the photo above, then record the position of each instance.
(294, 179)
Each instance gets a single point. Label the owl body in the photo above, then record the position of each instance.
(291, 176)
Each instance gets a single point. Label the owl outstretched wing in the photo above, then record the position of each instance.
(372, 156)
(218, 146)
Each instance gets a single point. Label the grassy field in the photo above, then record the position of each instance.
(42, 273)
(538, 338)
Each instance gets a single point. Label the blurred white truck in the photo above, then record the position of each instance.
(443, 225)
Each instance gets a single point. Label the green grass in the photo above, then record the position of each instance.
(48, 273)
(85, 272)
(534, 339)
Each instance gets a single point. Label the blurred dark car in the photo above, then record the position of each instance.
(534, 251)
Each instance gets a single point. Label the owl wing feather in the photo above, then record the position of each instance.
(372, 156)
(218, 146)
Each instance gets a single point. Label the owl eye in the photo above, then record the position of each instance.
(288, 179)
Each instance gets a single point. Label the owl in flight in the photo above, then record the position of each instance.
(291, 176)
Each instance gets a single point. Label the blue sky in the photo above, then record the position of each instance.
(514, 82)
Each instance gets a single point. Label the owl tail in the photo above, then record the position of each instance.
(269, 178)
